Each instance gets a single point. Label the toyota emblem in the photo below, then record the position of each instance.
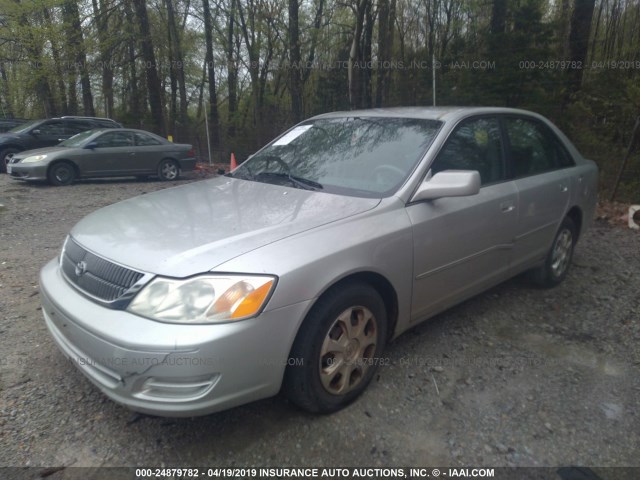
(81, 268)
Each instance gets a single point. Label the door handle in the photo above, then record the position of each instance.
(564, 188)
(507, 207)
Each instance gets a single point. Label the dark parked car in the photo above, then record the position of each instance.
(46, 133)
(104, 153)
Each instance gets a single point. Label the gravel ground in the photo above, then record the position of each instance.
(517, 376)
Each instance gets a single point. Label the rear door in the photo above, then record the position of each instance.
(462, 245)
(539, 163)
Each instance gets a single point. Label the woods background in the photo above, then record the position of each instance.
(255, 67)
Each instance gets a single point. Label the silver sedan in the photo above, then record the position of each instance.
(292, 272)
(104, 153)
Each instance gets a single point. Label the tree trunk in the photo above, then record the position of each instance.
(134, 96)
(102, 23)
(214, 122)
(232, 73)
(295, 79)
(366, 57)
(498, 16)
(317, 24)
(353, 73)
(383, 52)
(579, 41)
(75, 42)
(149, 57)
(7, 109)
(177, 68)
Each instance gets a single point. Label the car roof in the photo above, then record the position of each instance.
(445, 113)
(122, 129)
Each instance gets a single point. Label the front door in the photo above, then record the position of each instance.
(114, 154)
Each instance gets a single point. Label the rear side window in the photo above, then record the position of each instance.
(143, 140)
(106, 123)
(77, 127)
(534, 148)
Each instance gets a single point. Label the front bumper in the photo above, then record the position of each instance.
(29, 171)
(168, 369)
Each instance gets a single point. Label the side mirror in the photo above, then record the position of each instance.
(91, 145)
(450, 183)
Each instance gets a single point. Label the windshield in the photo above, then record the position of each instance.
(25, 126)
(360, 156)
(77, 140)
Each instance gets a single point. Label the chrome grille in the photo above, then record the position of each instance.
(94, 275)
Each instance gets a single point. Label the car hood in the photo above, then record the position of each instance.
(191, 229)
(38, 151)
(6, 136)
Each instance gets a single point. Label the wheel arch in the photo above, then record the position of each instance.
(64, 160)
(379, 283)
(173, 159)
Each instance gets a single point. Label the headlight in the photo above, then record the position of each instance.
(203, 299)
(34, 159)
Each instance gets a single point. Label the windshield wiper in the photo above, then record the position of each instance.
(300, 182)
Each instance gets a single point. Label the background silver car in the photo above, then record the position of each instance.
(295, 270)
(104, 153)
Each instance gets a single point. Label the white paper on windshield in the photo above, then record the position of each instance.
(292, 135)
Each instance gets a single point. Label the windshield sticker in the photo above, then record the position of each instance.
(292, 135)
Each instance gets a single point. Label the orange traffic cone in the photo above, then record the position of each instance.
(234, 165)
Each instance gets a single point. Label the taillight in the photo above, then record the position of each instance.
(191, 153)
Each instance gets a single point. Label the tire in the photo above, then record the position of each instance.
(3, 158)
(319, 378)
(168, 170)
(61, 174)
(556, 265)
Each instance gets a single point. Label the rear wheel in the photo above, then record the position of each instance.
(168, 170)
(5, 154)
(62, 173)
(556, 265)
(337, 349)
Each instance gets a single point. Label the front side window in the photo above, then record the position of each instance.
(534, 148)
(360, 156)
(474, 145)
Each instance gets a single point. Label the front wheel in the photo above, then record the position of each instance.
(337, 349)
(168, 170)
(556, 265)
(61, 174)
